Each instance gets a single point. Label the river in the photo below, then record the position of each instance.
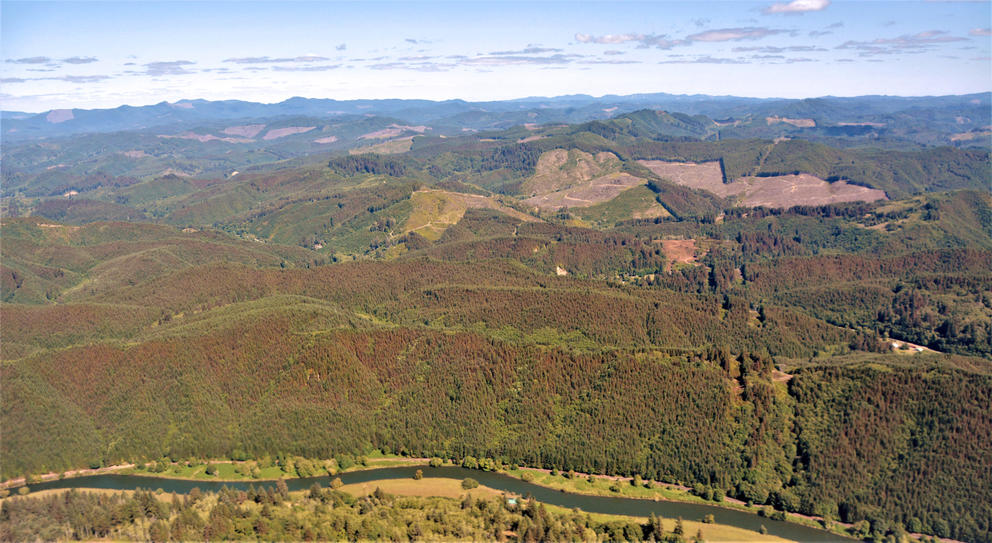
(498, 481)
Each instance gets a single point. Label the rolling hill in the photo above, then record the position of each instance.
(704, 291)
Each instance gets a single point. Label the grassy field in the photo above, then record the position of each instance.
(711, 532)
(451, 488)
(607, 486)
(225, 472)
(435, 210)
(601, 486)
(428, 487)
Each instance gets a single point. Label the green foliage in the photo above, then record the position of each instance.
(369, 164)
(264, 514)
(890, 426)
(127, 341)
(897, 173)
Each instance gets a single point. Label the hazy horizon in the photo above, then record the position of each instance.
(88, 55)
(519, 98)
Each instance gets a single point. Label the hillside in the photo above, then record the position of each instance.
(787, 317)
(916, 121)
(573, 178)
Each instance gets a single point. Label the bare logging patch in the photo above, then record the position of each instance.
(769, 191)
(574, 178)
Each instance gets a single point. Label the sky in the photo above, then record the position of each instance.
(105, 54)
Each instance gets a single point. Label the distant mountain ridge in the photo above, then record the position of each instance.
(963, 113)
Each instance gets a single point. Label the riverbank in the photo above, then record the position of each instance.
(250, 471)
(234, 471)
(226, 471)
(618, 486)
(429, 500)
(54, 475)
(505, 483)
(710, 532)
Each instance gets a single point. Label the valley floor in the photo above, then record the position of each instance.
(573, 482)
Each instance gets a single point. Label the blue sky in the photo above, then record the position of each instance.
(104, 54)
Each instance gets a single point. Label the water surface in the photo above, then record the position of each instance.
(498, 481)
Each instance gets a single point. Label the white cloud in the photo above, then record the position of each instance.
(733, 34)
(907, 43)
(644, 41)
(981, 32)
(797, 6)
(79, 60)
(661, 41)
(920, 39)
(173, 67)
(608, 38)
(270, 60)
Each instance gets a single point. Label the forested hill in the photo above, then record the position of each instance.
(796, 319)
(927, 120)
(709, 371)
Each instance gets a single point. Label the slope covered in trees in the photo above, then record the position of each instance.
(329, 305)
(474, 346)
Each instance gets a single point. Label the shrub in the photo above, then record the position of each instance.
(469, 483)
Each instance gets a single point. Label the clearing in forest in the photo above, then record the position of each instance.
(203, 138)
(390, 147)
(800, 123)
(245, 131)
(702, 175)
(574, 178)
(635, 203)
(802, 189)
(680, 251)
(773, 191)
(435, 210)
(427, 487)
(392, 131)
(276, 133)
